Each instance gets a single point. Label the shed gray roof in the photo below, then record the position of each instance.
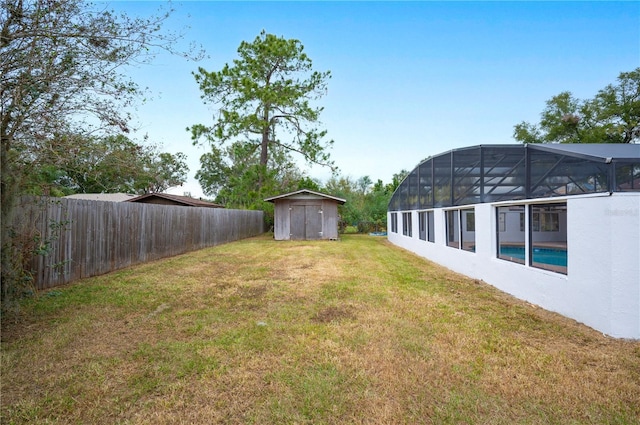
(303, 192)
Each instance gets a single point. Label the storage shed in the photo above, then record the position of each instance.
(305, 215)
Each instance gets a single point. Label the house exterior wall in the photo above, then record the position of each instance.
(602, 286)
(282, 216)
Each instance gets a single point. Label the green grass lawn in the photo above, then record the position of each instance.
(266, 332)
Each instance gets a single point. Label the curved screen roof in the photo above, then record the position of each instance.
(492, 173)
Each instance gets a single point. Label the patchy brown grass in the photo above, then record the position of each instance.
(258, 331)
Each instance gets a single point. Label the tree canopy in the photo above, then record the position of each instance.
(231, 173)
(367, 202)
(60, 83)
(231, 177)
(106, 164)
(612, 116)
(264, 109)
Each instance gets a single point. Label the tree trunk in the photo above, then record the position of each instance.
(264, 145)
(8, 190)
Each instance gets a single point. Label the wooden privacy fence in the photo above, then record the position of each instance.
(74, 238)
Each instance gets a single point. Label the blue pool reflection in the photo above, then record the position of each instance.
(550, 256)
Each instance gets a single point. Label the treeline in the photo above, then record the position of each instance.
(611, 116)
(366, 207)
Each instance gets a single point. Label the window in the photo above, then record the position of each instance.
(471, 221)
(548, 246)
(546, 222)
(468, 233)
(394, 222)
(453, 228)
(425, 224)
(546, 227)
(461, 236)
(422, 225)
(406, 224)
(511, 235)
(431, 234)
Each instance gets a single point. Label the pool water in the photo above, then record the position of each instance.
(551, 256)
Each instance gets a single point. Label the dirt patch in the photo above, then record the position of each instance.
(334, 314)
(252, 292)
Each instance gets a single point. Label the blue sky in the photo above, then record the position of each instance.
(409, 79)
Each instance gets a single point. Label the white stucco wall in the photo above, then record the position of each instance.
(602, 286)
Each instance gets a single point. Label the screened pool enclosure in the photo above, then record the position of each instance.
(523, 217)
(492, 173)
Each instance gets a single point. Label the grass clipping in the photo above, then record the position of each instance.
(258, 331)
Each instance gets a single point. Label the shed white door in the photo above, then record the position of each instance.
(306, 222)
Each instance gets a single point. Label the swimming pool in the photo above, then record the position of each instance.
(550, 256)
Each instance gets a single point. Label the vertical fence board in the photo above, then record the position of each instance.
(83, 238)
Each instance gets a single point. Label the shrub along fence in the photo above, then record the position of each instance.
(73, 239)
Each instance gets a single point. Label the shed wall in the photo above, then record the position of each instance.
(282, 222)
(330, 216)
(284, 208)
